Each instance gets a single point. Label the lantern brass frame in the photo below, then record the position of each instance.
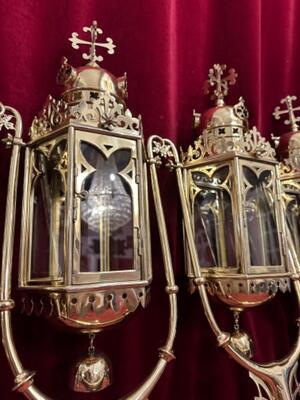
(290, 180)
(275, 380)
(99, 138)
(23, 378)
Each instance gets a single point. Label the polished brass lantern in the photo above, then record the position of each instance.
(85, 254)
(237, 247)
(288, 150)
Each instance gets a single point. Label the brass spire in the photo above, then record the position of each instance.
(92, 56)
(292, 120)
(215, 79)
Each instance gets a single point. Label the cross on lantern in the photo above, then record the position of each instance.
(292, 120)
(92, 56)
(215, 78)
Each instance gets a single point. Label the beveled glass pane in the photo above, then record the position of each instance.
(49, 214)
(293, 218)
(259, 207)
(107, 242)
(213, 223)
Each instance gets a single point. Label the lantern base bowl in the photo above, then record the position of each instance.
(245, 291)
(89, 310)
(245, 300)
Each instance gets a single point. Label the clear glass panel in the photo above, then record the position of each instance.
(48, 214)
(259, 207)
(106, 213)
(214, 233)
(40, 235)
(293, 218)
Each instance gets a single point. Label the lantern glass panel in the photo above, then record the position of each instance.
(107, 234)
(49, 214)
(214, 233)
(261, 217)
(293, 220)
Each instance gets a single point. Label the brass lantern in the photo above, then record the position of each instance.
(288, 150)
(85, 254)
(234, 224)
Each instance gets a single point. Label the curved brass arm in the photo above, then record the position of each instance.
(11, 120)
(277, 379)
(166, 352)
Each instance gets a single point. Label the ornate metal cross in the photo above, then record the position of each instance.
(292, 120)
(92, 56)
(215, 78)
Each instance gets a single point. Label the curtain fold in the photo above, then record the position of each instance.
(166, 47)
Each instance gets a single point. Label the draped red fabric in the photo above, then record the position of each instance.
(166, 47)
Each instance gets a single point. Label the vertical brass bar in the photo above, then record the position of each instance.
(23, 256)
(10, 214)
(104, 238)
(70, 204)
(166, 353)
(6, 272)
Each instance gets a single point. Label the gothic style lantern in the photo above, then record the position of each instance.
(288, 150)
(234, 225)
(85, 241)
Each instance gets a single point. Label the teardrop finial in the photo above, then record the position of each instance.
(220, 83)
(92, 56)
(290, 110)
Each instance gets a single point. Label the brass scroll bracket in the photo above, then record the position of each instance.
(10, 120)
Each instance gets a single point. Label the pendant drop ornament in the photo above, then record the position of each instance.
(93, 373)
(240, 339)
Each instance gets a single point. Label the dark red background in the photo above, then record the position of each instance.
(166, 47)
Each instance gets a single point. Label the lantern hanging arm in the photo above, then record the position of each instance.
(11, 120)
(105, 94)
(278, 380)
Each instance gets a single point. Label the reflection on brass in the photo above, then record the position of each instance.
(23, 381)
(6, 305)
(230, 177)
(85, 252)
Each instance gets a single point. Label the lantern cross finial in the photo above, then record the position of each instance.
(94, 31)
(292, 120)
(216, 79)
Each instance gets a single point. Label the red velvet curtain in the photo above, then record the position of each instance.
(166, 47)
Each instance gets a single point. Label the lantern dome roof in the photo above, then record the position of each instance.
(222, 118)
(90, 77)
